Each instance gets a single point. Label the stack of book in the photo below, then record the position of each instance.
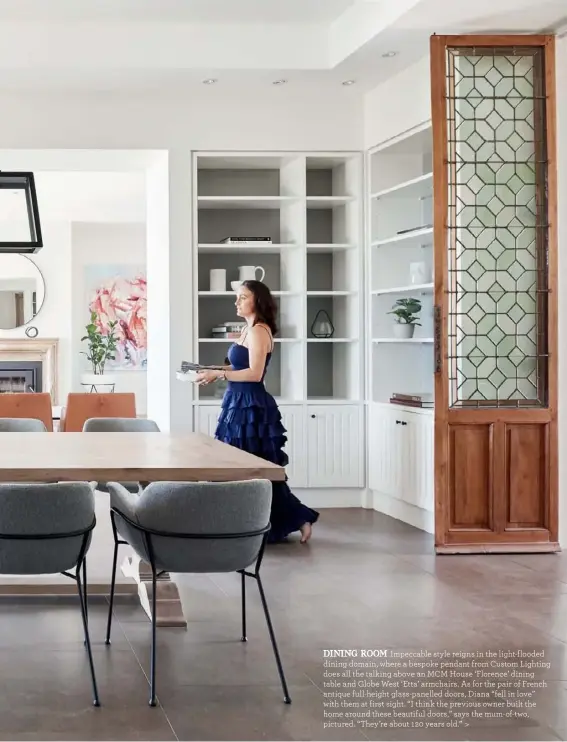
(413, 399)
(228, 330)
(247, 241)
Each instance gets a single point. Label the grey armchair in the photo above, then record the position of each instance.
(206, 527)
(45, 529)
(120, 425)
(21, 425)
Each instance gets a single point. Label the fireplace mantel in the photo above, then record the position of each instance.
(27, 349)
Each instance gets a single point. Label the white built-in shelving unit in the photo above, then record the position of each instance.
(310, 205)
(399, 233)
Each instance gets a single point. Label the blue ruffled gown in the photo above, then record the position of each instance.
(250, 420)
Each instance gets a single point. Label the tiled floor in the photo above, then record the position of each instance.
(364, 581)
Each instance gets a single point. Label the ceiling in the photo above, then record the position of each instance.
(173, 46)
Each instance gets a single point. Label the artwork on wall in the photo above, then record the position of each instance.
(119, 293)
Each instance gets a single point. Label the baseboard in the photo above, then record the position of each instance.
(414, 516)
(330, 497)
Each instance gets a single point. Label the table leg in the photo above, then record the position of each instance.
(168, 603)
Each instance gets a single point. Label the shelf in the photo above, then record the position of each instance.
(327, 202)
(425, 288)
(244, 202)
(420, 187)
(331, 400)
(210, 294)
(222, 249)
(311, 207)
(415, 341)
(331, 340)
(217, 401)
(330, 247)
(408, 239)
(406, 408)
(329, 293)
(232, 340)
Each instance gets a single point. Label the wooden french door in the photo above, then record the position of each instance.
(494, 186)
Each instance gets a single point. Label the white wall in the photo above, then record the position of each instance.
(278, 119)
(55, 318)
(103, 244)
(399, 104)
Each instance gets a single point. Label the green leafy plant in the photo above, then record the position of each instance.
(101, 347)
(406, 311)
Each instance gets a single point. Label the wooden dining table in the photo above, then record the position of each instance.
(126, 457)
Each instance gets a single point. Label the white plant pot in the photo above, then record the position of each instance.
(403, 331)
(102, 382)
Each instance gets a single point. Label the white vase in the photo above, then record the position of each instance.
(403, 331)
(217, 278)
(419, 273)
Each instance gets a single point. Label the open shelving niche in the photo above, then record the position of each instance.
(310, 207)
(399, 223)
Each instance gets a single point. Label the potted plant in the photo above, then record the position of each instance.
(406, 312)
(101, 348)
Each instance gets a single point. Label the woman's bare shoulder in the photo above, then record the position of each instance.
(261, 333)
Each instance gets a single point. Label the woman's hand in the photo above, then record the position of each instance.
(206, 377)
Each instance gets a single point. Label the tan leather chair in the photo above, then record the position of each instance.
(35, 406)
(83, 407)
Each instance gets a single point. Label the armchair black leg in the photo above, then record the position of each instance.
(112, 588)
(287, 698)
(243, 591)
(153, 701)
(85, 589)
(80, 589)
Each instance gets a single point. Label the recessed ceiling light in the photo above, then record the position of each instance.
(349, 82)
(210, 81)
(279, 82)
(390, 54)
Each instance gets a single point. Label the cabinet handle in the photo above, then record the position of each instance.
(437, 339)
(313, 416)
(401, 422)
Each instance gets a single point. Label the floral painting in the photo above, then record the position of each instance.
(119, 293)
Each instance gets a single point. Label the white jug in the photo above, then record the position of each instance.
(248, 272)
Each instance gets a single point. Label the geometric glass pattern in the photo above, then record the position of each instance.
(497, 227)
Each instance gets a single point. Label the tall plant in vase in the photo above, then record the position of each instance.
(406, 312)
(101, 348)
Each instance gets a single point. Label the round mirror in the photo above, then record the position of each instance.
(22, 291)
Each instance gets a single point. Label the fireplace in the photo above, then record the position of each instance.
(29, 364)
(21, 376)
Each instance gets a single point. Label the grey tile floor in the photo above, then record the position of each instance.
(364, 581)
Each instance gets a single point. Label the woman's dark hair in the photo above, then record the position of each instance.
(264, 304)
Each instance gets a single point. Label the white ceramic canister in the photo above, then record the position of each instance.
(217, 277)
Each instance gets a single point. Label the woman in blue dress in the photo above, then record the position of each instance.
(250, 418)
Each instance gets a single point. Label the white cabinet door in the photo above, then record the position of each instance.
(386, 451)
(293, 419)
(381, 454)
(206, 419)
(401, 454)
(424, 462)
(334, 445)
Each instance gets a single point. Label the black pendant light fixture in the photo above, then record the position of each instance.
(20, 229)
